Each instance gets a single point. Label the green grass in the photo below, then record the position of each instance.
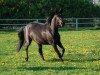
(82, 55)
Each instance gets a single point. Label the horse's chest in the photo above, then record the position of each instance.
(48, 37)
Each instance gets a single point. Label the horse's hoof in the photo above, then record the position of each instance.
(62, 55)
(26, 59)
(61, 60)
(43, 59)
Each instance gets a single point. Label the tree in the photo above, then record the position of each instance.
(41, 8)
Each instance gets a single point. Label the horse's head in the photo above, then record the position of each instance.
(58, 20)
(57, 14)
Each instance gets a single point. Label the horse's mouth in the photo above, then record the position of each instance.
(60, 26)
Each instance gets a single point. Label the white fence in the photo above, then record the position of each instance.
(75, 23)
(78, 23)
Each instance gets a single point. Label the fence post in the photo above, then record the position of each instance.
(76, 23)
(37, 20)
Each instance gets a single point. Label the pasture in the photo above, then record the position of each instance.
(82, 55)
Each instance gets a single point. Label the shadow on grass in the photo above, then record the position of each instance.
(92, 56)
(62, 68)
(82, 60)
(74, 60)
(53, 60)
(42, 68)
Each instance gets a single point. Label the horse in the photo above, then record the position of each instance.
(42, 34)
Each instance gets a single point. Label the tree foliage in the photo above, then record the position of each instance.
(41, 8)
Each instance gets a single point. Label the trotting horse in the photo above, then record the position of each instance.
(42, 35)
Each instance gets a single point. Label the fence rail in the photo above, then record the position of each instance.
(76, 23)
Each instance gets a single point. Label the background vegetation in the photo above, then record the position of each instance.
(41, 8)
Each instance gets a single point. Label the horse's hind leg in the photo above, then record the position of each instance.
(40, 51)
(28, 42)
(61, 46)
(58, 53)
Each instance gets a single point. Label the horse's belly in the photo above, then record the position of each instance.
(45, 43)
(42, 39)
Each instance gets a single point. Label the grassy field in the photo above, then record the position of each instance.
(82, 55)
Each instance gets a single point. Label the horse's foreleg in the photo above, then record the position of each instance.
(40, 51)
(61, 46)
(58, 53)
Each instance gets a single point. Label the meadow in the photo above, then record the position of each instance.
(82, 55)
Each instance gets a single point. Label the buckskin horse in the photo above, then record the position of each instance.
(42, 34)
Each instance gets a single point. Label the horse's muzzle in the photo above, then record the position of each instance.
(62, 24)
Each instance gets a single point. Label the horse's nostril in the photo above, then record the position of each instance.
(63, 23)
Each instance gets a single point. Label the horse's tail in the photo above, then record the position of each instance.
(21, 39)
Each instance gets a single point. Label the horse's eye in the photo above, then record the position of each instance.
(60, 14)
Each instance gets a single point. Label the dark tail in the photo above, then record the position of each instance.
(21, 39)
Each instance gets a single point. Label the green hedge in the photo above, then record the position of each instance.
(41, 8)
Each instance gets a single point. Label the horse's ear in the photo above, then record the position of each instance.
(52, 12)
(60, 10)
(56, 10)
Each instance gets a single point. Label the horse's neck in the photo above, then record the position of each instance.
(53, 26)
(54, 29)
